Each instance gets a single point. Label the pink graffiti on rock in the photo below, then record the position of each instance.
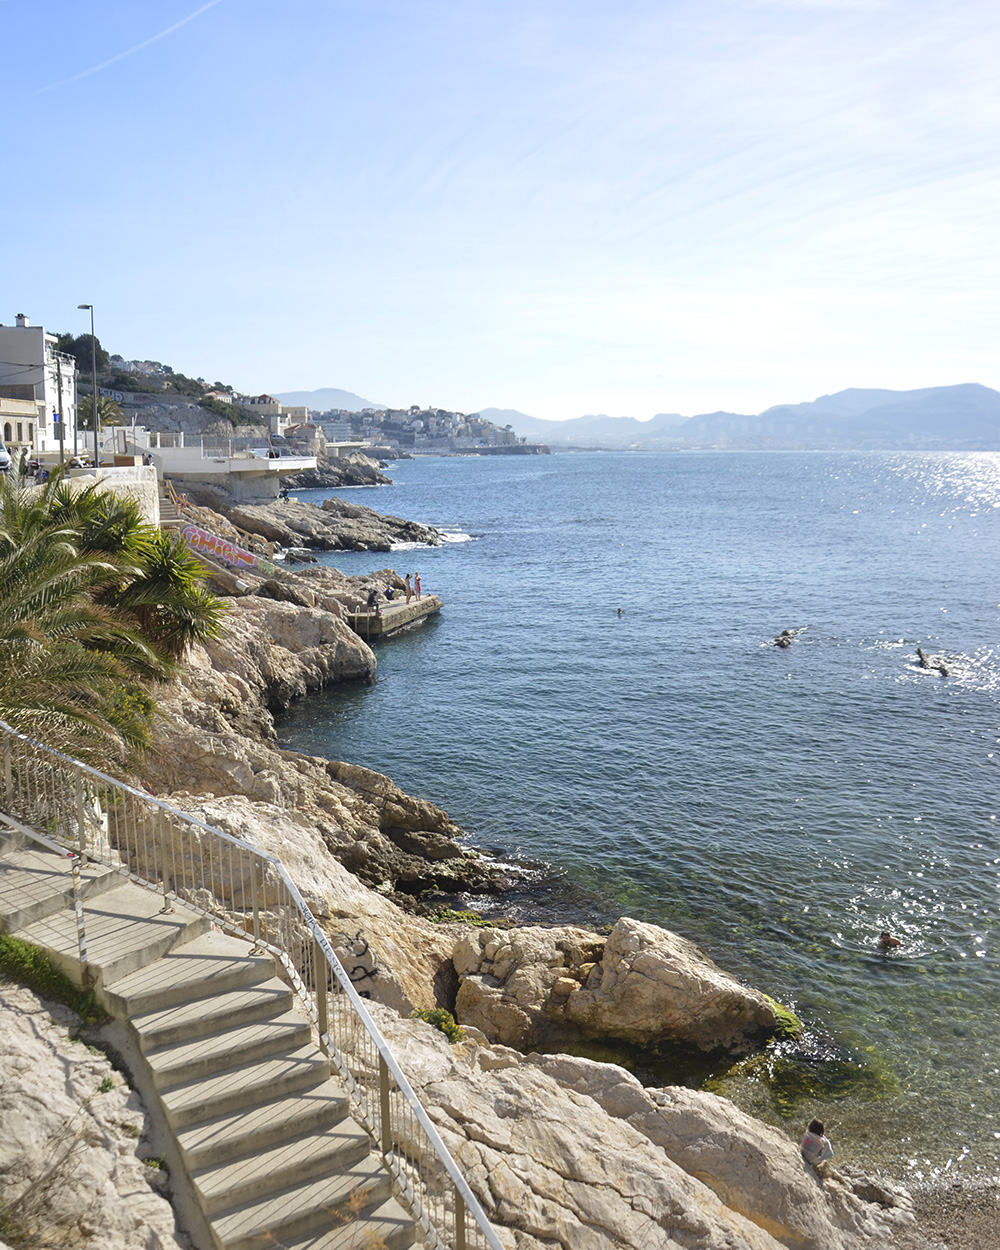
(221, 548)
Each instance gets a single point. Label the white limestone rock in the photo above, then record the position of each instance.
(400, 959)
(642, 984)
(70, 1154)
(654, 985)
(572, 1154)
(753, 1168)
(214, 736)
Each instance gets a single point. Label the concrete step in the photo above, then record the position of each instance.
(179, 1063)
(207, 965)
(231, 1136)
(245, 1086)
(385, 1227)
(36, 883)
(201, 1017)
(326, 1203)
(281, 1166)
(126, 930)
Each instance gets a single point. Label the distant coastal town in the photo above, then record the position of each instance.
(377, 430)
(46, 403)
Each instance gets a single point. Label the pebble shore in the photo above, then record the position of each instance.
(960, 1217)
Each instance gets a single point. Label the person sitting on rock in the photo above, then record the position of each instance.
(816, 1148)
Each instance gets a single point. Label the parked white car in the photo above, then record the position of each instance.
(5, 461)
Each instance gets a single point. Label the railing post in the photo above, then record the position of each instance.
(319, 966)
(81, 933)
(460, 1213)
(253, 895)
(7, 774)
(385, 1125)
(161, 832)
(81, 817)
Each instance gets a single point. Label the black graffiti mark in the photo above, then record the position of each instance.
(359, 972)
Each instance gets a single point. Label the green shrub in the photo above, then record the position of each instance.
(219, 407)
(448, 916)
(32, 967)
(442, 1020)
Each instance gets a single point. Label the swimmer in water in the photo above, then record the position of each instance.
(888, 942)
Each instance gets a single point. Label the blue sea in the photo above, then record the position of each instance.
(779, 807)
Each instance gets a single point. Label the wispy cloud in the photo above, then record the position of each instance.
(96, 69)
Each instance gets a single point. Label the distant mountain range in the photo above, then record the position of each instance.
(965, 417)
(325, 398)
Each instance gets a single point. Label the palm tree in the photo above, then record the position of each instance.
(94, 605)
(167, 598)
(107, 411)
(72, 668)
(162, 590)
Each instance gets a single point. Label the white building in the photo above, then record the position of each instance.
(33, 372)
(239, 469)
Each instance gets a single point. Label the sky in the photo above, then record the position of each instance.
(560, 207)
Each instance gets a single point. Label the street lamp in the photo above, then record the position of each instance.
(93, 367)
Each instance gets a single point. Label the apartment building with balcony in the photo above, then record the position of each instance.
(37, 390)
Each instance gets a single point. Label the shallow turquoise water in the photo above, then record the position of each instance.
(779, 807)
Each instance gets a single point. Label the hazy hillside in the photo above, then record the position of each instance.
(589, 431)
(963, 417)
(325, 398)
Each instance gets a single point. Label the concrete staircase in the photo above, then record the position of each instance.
(170, 517)
(261, 1133)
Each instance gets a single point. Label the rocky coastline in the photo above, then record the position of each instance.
(336, 526)
(562, 1151)
(356, 469)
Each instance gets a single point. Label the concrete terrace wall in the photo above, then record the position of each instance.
(138, 483)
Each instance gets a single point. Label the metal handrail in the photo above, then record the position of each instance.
(249, 892)
(206, 517)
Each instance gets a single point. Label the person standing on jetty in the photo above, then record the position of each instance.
(816, 1148)
(416, 584)
(408, 587)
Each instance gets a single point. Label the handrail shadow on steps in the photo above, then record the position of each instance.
(248, 893)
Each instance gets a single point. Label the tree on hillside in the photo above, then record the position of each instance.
(78, 346)
(94, 606)
(107, 410)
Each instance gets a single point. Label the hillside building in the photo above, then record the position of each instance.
(37, 390)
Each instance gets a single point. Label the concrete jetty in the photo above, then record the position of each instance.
(393, 615)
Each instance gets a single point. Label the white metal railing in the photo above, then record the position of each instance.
(249, 893)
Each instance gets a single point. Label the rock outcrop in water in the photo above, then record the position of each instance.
(642, 984)
(356, 469)
(335, 526)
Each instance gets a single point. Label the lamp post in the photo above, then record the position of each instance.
(93, 367)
